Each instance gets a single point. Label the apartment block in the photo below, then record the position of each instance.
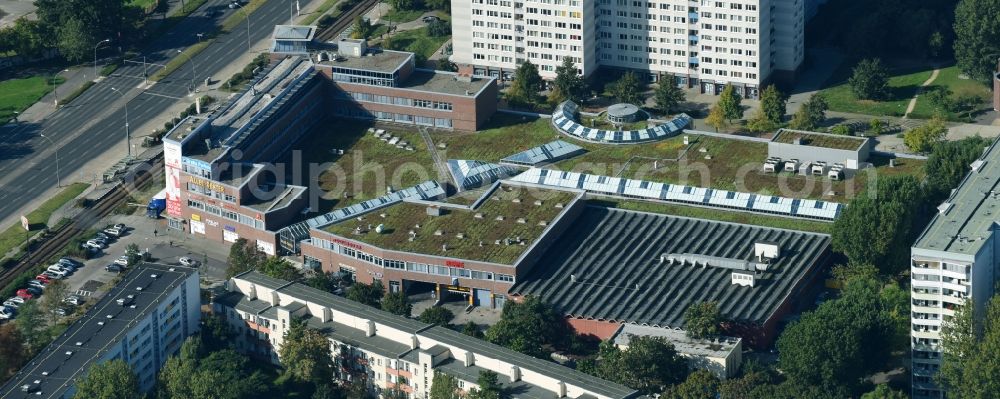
(387, 351)
(143, 320)
(954, 262)
(704, 44)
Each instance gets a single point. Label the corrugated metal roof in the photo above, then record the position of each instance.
(545, 153)
(469, 174)
(607, 266)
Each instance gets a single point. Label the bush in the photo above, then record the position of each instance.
(439, 28)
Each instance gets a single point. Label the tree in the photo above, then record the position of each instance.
(279, 268)
(811, 114)
(403, 5)
(649, 364)
(701, 384)
(363, 28)
(875, 126)
(977, 38)
(923, 138)
(243, 257)
(949, 162)
(773, 104)
(444, 386)
(883, 391)
(443, 5)
(368, 294)
(970, 341)
(870, 80)
(851, 271)
(842, 130)
(55, 292)
(112, 379)
(526, 85)
(568, 82)
(471, 329)
(397, 303)
(199, 373)
(32, 322)
(12, 353)
(75, 40)
(133, 254)
(436, 315)
(877, 228)
(489, 386)
(306, 354)
(717, 118)
(759, 123)
(324, 281)
(729, 103)
(628, 89)
(528, 325)
(215, 333)
(701, 320)
(439, 28)
(667, 95)
(445, 64)
(25, 38)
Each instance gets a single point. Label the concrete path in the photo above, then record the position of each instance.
(913, 101)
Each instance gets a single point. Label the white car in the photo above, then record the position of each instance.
(120, 227)
(4, 315)
(55, 276)
(36, 284)
(111, 231)
(97, 244)
(73, 300)
(11, 304)
(122, 260)
(186, 261)
(16, 299)
(57, 269)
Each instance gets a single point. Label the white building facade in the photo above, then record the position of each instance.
(704, 44)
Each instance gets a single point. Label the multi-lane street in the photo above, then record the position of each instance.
(94, 122)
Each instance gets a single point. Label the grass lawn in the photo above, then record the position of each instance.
(505, 135)
(16, 95)
(902, 86)
(820, 140)
(480, 229)
(948, 77)
(368, 165)
(417, 41)
(237, 17)
(143, 4)
(403, 16)
(180, 60)
(322, 9)
(14, 235)
(717, 214)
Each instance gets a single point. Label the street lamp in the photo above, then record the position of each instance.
(249, 48)
(128, 135)
(58, 181)
(190, 60)
(95, 54)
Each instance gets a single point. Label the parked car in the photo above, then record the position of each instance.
(37, 284)
(120, 226)
(186, 261)
(113, 232)
(54, 276)
(16, 299)
(68, 268)
(101, 240)
(73, 300)
(5, 314)
(25, 294)
(43, 278)
(11, 304)
(114, 268)
(34, 291)
(95, 243)
(104, 236)
(59, 311)
(71, 261)
(430, 18)
(122, 260)
(60, 273)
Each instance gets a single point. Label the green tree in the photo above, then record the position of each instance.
(436, 315)
(445, 64)
(842, 130)
(363, 28)
(883, 391)
(279, 268)
(133, 253)
(717, 118)
(198, 373)
(471, 329)
(443, 5)
(949, 162)
(730, 103)
(368, 294)
(306, 354)
(701, 320)
(977, 38)
(55, 292)
(439, 28)
(113, 379)
(324, 281)
(628, 89)
(923, 138)
(773, 104)
(75, 40)
(870, 80)
(876, 126)
(444, 386)
(397, 303)
(489, 386)
(649, 364)
(667, 95)
(31, 321)
(403, 5)
(527, 326)
(851, 271)
(759, 123)
(877, 227)
(243, 256)
(25, 37)
(811, 114)
(12, 351)
(526, 85)
(215, 333)
(701, 384)
(568, 82)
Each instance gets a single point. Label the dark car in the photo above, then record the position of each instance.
(430, 18)
(114, 268)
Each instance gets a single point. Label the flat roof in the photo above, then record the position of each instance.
(521, 218)
(386, 61)
(816, 139)
(95, 332)
(607, 266)
(970, 212)
(545, 153)
(443, 82)
(720, 348)
(294, 32)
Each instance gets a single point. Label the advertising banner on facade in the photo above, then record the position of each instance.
(172, 162)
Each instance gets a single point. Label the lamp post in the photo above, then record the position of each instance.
(191, 61)
(249, 48)
(128, 135)
(58, 180)
(95, 54)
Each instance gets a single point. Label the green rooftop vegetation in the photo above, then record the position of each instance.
(819, 140)
(489, 233)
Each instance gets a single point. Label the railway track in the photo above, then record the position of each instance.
(83, 221)
(345, 20)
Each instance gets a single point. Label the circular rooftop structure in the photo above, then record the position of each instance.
(623, 113)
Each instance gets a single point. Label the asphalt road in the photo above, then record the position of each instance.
(95, 121)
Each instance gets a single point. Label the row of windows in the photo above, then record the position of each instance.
(370, 81)
(438, 270)
(194, 188)
(401, 101)
(351, 112)
(225, 213)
